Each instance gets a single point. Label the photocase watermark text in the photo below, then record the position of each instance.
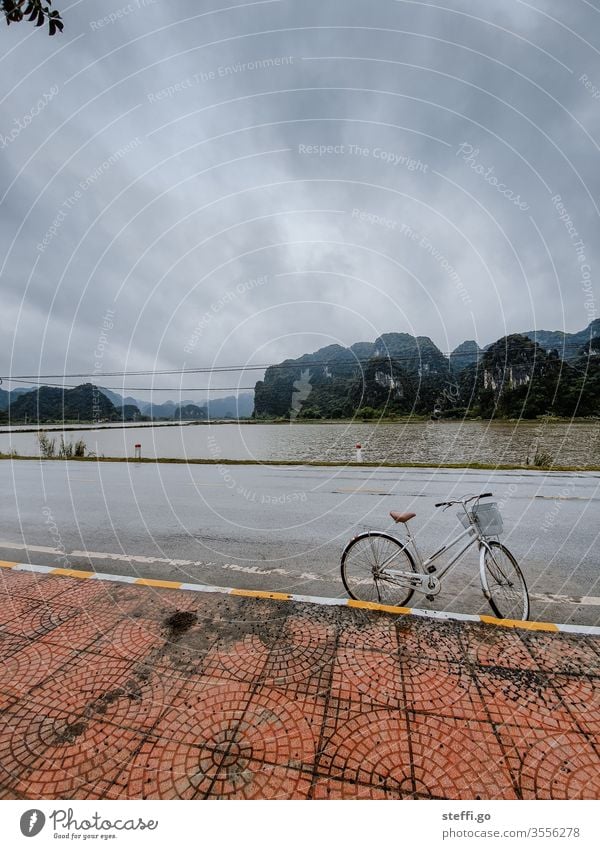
(215, 308)
(99, 350)
(24, 121)
(66, 820)
(123, 12)
(217, 73)
(390, 157)
(73, 199)
(589, 85)
(585, 270)
(469, 156)
(56, 536)
(419, 239)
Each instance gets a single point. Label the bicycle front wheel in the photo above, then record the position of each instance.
(366, 564)
(503, 583)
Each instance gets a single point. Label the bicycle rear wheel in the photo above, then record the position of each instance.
(503, 583)
(365, 564)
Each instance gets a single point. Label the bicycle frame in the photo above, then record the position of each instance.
(426, 566)
(367, 566)
(471, 532)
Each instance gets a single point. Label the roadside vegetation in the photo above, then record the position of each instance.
(67, 450)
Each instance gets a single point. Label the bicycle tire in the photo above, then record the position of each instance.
(503, 583)
(362, 556)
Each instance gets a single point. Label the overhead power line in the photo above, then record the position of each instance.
(419, 354)
(138, 388)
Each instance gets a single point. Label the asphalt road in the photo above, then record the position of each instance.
(284, 528)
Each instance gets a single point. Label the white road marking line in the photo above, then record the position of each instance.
(345, 489)
(548, 598)
(146, 559)
(136, 558)
(105, 576)
(202, 564)
(555, 598)
(578, 629)
(565, 497)
(19, 546)
(32, 567)
(535, 626)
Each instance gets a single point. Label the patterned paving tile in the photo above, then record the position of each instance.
(569, 653)
(418, 640)
(35, 662)
(47, 756)
(524, 696)
(173, 770)
(13, 613)
(30, 585)
(443, 688)
(36, 618)
(581, 695)
(9, 645)
(551, 764)
(118, 691)
(486, 646)
(458, 759)
(82, 630)
(330, 788)
(106, 689)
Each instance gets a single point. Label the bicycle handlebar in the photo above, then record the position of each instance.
(464, 500)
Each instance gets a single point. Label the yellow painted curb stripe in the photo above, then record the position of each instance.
(276, 596)
(150, 582)
(261, 594)
(72, 573)
(518, 623)
(372, 605)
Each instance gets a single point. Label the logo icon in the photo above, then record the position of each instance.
(32, 822)
(302, 389)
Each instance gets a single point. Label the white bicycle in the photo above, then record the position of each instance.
(378, 567)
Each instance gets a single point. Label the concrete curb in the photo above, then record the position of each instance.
(589, 630)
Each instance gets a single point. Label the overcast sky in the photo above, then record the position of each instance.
(190, 183)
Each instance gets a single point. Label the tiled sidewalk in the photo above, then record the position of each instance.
(109, 690)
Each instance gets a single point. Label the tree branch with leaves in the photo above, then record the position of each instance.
(16, 10)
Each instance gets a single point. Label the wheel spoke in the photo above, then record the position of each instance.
(364, 569)
(505, 583)
(378, 591)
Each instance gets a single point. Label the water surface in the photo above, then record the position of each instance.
(575, 444)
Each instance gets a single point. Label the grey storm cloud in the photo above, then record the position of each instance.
(247, 183)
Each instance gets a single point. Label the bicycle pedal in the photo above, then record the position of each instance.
(431, 569)
(430, 597)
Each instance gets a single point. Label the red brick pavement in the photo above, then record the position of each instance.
(104, 695)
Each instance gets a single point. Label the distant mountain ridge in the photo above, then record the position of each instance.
(81, 403)
(397, 372)
(90, 403)
(565, 343)
(8, 395)
(400, 374)
(231, 407)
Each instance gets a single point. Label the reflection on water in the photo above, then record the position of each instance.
(399, 442)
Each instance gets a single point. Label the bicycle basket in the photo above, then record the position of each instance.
(487, 517)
